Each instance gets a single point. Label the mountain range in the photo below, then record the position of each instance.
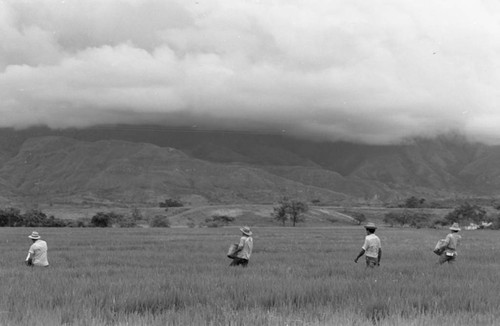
(146, 164)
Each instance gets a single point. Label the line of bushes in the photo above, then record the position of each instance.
(464, 214)
(12, 217)
(31, 218)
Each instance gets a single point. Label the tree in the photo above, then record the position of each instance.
(35, 217)
(10, 217)
(280, 212)
(359, 217)
(289, 210)
(295, 210)
(101, 220)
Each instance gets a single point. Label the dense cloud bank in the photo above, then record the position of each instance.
(374, 72)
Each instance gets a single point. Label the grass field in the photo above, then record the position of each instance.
(297, 276)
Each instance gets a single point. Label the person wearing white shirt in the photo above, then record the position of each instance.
(450, 245)
(244, 250)
(37, 254)
(372, 248)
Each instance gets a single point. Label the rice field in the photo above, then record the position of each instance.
(296, 277)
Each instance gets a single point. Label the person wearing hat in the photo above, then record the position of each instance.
(450, 244)
(37, 254)
(372, 248)
(244, 251)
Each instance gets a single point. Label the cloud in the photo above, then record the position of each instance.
(372, 72)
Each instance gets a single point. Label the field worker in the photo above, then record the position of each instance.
(372, 248)
(37, 254)
(450, 244)
(244, 251)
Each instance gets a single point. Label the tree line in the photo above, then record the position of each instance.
(464, 214)
(13, 217)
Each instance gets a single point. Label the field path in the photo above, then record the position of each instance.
(314, 213)
(333, 211)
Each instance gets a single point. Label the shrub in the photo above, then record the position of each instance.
(495, 220)
(103, 220)
(413, 202)
(159, 221)
(466, 213)
(10, 217)
(171, 203)
(224, 219)
(36, 218)
(218, 220)
(419, 220)
(109, 219)
(358, 217)
(392, 218)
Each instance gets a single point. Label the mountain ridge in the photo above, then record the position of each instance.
(146, 165)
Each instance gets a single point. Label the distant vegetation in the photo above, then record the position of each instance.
(159, 221)
(218, 220)
(109, 219)
(12, 217)
(415, 202)
(169, 202)
(289, 210)
(357, 216)
(409, 218)
(465, 214)
(286, 212)
(31, 218)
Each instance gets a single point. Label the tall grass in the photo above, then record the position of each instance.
(296, 276)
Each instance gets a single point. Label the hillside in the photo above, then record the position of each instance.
(59, 169)
(124, 165)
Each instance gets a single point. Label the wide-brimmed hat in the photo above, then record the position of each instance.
(246, 230)
(370, 226)
(455, 227)
(34, 235)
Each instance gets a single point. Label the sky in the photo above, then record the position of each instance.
(375, 72)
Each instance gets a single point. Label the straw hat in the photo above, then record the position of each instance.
(246, 230)
(370, 226)
(455, 227)
(34, 235)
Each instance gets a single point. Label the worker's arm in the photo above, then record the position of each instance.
(379, 256)
(361, 253)
(29, 259)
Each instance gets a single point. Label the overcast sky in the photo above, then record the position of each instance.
(370, 71)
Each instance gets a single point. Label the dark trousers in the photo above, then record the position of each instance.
(239, 261)
(371, 262)
(447, 259)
